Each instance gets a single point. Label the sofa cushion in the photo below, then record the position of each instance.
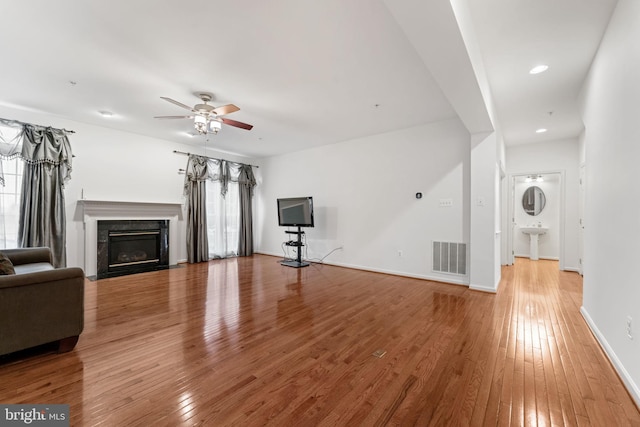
(6, 266)
(33, 267)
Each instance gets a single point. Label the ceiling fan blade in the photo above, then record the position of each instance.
(173, 117)
(236, 124)
(225, 109)
(179, 104)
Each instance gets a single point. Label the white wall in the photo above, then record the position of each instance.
(484, 232)
(554, 156)
(364, 195)
(116, 166)
(611, 112)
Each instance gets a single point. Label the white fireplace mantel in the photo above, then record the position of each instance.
(96, 210)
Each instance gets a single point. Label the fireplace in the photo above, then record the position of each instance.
(132, 246)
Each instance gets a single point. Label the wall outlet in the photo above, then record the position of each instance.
(446, 203)
(629, 329)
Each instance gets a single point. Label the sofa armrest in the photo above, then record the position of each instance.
(19, 256)
(40, 277)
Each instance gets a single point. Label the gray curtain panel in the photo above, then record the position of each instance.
(246, 182)
(47, 156)
(194, 188)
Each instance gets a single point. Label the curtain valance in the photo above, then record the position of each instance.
(35, 145)
(200, 168)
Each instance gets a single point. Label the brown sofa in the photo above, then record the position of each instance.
(40, 304)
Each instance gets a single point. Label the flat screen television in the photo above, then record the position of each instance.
(295, 212)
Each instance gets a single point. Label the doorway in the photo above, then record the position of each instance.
(537, 200)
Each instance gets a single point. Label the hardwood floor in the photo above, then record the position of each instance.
(249, 342)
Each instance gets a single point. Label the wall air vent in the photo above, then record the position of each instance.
(450, 257)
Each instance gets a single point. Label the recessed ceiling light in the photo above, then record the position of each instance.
(538, 69)
(105, 113)
(541, 130)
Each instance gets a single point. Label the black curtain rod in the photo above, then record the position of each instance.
(31, 124)
(214, 158)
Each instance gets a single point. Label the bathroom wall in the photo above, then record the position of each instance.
(548, 243)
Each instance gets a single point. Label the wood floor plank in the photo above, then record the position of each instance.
(246, 341)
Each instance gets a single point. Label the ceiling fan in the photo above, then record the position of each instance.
(207, 118)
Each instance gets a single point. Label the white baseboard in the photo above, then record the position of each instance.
(483, 288)
(452, 280)
(550, 258)
(631, 386)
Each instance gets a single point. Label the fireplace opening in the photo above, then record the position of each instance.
(132, 246)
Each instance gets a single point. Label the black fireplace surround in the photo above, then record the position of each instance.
(132, 246)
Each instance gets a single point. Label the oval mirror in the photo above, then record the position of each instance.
(533, 200)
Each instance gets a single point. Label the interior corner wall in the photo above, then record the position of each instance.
(364, 193)
(113, 165)
(484, 213)
(555, 156)
(612, 209)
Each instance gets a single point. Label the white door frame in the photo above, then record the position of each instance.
(581, 195)
(512, 204)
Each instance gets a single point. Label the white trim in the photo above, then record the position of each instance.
(630, 385)
(548, 258)
(441, 279)
(483, 289)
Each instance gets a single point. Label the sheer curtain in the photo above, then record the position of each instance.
(11, 134)
(10, 194)
(223, 209)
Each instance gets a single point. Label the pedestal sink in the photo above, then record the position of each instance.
(534, 232)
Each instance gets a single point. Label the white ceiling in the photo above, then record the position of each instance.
(303, 73)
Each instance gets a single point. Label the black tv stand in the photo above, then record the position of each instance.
(297, 263)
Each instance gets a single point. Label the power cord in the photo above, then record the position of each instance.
(321, 260)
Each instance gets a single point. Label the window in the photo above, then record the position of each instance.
(10, 202)
(223, 219)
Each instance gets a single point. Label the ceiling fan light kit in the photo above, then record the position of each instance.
(206, 118)
(200, 124)
(214, 126)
